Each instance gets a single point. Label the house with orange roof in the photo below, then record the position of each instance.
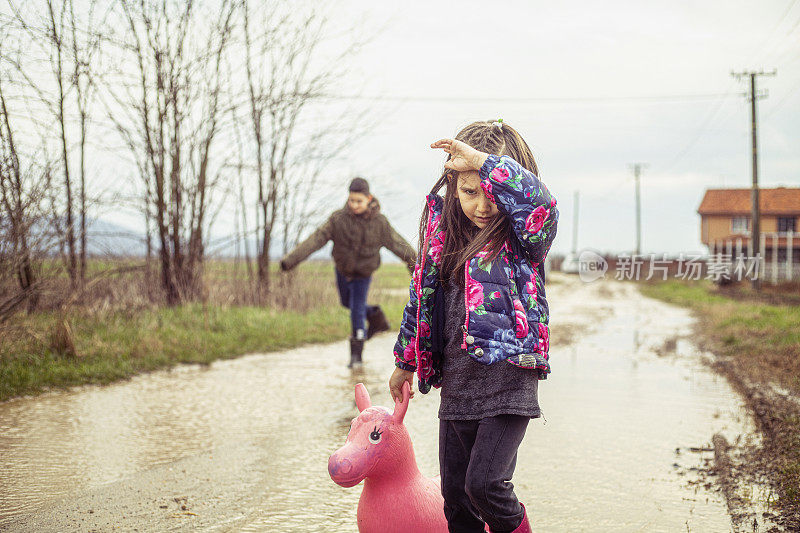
(726, 223)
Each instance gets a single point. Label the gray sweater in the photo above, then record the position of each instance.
(471, 390)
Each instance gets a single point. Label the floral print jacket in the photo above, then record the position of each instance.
(506, 308)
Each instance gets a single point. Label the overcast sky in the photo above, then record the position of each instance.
(592, 90)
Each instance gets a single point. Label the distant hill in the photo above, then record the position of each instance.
(109, 239)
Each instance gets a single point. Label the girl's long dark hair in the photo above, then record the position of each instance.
(463, 239)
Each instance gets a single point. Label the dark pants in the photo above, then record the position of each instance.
(353, 295)
(476, 461)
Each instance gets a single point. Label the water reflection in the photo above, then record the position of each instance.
(260, 430)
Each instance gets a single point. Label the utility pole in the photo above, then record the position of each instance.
(755, 231)
(637, 171)
(575, 225)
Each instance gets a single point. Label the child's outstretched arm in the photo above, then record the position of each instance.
(399, 246)
(314, 242)
(516, 191)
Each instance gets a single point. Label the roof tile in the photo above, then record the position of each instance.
(778, 201)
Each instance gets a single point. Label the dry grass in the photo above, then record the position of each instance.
(757, 340)
(115, 329)
(760, 336)
(132, 285)
(785, 293)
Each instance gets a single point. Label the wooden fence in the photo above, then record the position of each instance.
(779, 254)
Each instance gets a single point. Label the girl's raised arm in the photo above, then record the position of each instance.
(525, 200)
(516, 191)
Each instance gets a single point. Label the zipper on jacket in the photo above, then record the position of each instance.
(418, 286)
(465, 327)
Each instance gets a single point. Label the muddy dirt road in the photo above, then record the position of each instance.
(242, 445)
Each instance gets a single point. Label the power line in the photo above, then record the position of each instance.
(792, 92)
(766, 51)
(700, 131)
(664, 98)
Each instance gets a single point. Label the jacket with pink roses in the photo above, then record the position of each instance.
(506, 309)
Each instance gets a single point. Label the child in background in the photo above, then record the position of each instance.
(476, 321)
(358, 231)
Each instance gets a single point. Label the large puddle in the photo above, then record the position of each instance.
(243, 445)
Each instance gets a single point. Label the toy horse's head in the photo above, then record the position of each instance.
(378, 442)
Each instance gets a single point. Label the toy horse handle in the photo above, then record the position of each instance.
(400, 407)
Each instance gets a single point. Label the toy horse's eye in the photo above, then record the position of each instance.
(375, 436)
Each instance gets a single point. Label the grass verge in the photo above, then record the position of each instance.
(757, 344)
(114, 345)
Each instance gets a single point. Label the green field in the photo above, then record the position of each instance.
(113, 345)
(763, 338)
(756, 337)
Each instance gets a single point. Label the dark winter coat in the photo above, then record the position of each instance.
(357, 241)
(506, 309)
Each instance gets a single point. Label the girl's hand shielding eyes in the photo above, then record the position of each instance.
(463, 157)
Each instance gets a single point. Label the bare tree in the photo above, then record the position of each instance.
(286, 76)
(16, 196)
(85, 41)
(48, 31)
(66, 41)
(242, 233)
(181, 68)
(23, 184)
(172, 121)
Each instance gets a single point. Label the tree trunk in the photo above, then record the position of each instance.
(83, 200)
(72, 260)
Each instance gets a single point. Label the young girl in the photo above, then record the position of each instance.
(358, 231)
(476, 321)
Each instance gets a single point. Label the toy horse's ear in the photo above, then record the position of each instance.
(400, 408)
(362, 397)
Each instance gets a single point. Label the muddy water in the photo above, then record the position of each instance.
(242, 445)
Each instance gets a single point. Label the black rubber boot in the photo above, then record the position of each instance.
(356, 349)
(376, 321)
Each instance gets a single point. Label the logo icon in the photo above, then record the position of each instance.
(591, 266)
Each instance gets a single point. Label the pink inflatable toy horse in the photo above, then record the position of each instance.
(396, 496)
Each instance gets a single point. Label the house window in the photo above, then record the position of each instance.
(786, 224)
(740, 225)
